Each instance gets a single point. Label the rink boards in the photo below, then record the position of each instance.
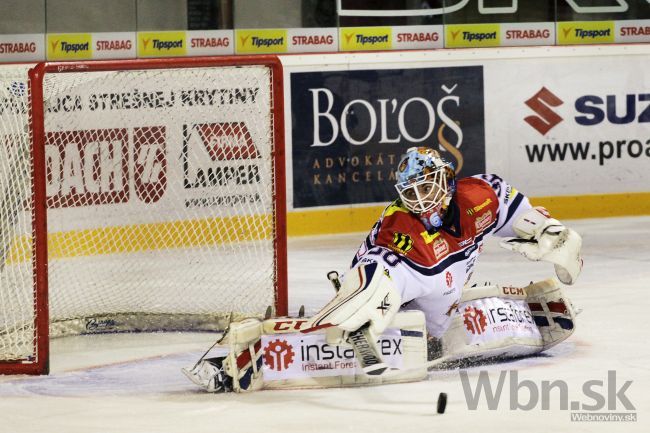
(567, 126)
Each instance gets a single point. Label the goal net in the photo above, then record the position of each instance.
(141, 195)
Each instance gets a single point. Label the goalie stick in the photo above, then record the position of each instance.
(364, 348)
(220, 339)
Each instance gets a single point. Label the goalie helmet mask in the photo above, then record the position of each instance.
(425, 184)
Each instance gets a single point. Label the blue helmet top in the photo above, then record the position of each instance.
(426, 184)
(418, 161)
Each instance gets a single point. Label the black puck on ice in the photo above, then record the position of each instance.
(442, 402)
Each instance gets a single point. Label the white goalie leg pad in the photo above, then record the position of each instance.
(367, 294)
(244, 361)
(552, 310)
(240, 370)
(294, 359)
(506, 321)
(288, 358)
(544, 238)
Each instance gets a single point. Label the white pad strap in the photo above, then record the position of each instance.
(492, 291)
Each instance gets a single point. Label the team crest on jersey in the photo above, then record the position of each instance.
(402, 243)
(440, 248)
(482, 222)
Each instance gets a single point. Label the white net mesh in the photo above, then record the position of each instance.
(16, 282)
(160, 199)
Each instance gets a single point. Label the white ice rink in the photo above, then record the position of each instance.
(133, 383)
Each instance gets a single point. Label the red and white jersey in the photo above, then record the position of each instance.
(430, 268)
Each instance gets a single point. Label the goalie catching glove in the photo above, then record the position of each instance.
(547, 239)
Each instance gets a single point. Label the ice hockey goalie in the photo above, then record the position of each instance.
(408, 289)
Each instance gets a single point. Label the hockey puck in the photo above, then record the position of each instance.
(442, 402)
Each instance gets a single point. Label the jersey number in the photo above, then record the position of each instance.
(389, 257)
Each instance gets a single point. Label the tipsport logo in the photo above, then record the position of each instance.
(155, 44)
(590, 32)
(261, 41)
(472, 35)
(365, 38)
(69, 46)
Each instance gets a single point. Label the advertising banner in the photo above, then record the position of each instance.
(22, 48)
(633, 31)
(349, 128)
(295, 356)
(142, 146)
(576, 125)
(261, 41)
(418, 37)
(522, 34)
(472, 35)
(85, 46)
(114, 45)
(308, 40)
(492, 23)
(210, 42)
(366, 38)
(162, 44)
(69, 46)
(586, 32)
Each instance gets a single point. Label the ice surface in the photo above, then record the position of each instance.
(133, 383)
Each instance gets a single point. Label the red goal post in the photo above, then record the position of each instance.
(162, 185)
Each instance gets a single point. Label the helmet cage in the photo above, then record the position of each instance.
(425, 192)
